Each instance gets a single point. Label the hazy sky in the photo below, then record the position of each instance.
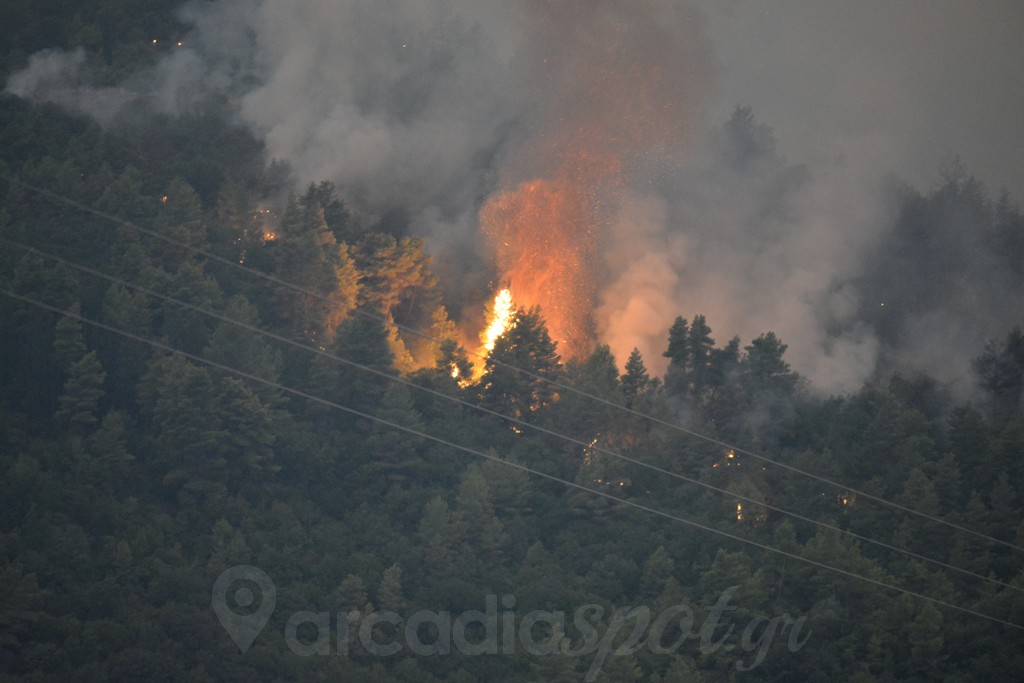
(894, 84)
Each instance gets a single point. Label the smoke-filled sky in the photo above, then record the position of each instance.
(894, 84)
(439, 107)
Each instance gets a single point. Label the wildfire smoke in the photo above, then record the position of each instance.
(612, 79)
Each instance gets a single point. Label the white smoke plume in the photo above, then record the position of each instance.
(429, 106)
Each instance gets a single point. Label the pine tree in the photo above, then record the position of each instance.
(108, 448)
(362, 339)
(444, 346)
(528, 347)
(1001, 370)
(658, 569)
(128, 310)
(926, 641)
(242, 348)
(248, 442)
(636, 380)
(969, 442)
(598, 376)
(682, 670)
(351, 594)
(452, 363)
(509, 488)
(483, 531)
(229, 548)
(83, 391)
(700, 345)
(345, 296)
(395, 454)
(438, 532)
(322, 197)
(306, 254)
(677, 376)
(919, 494)
(179, 216)
(403, 360)
(181, 404)
(678, 351)
(764, 368)
(68, 340)
(393, 271)
(188, 329)
(390, 595)
(726, 404)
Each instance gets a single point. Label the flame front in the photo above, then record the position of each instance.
(615, 101)
(501, 317)
(543, 237)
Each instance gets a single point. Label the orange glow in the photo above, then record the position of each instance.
(544, 242)
(613, 105)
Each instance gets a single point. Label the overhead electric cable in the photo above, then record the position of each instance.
(529, 470)
(565, 387)
(523, 423)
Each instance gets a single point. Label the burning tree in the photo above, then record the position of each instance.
(516, 372)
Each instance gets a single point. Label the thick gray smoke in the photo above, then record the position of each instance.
(422, 105)
(755, 244)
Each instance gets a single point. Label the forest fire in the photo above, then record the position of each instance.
(613, 108)
(500, 317)
(543, 235)
(499, 314)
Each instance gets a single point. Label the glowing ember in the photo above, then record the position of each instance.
(501, 316)
(543, 237)
(615, 110)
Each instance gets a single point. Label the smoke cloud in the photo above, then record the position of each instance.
(451, 110)
(59, 78)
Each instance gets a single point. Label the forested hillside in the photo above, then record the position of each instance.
(205, 368)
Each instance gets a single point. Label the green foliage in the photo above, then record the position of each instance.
(394, 273)
(131, 478)
(1001, 369)
(79, 403)
(68, 340)
(526, 346)
(635, 381)
(363, 340)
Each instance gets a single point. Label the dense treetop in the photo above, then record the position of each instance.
(133, 477)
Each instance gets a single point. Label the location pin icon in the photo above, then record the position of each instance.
(245, 626)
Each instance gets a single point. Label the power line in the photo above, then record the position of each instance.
(524, 468)
(560, 385)
(494, 413)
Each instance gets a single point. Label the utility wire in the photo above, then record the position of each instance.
(523, 423)
(560, 385)
(529, 470)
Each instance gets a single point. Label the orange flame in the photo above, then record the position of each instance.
(501, 317)
(615, 98)
(543, 234)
